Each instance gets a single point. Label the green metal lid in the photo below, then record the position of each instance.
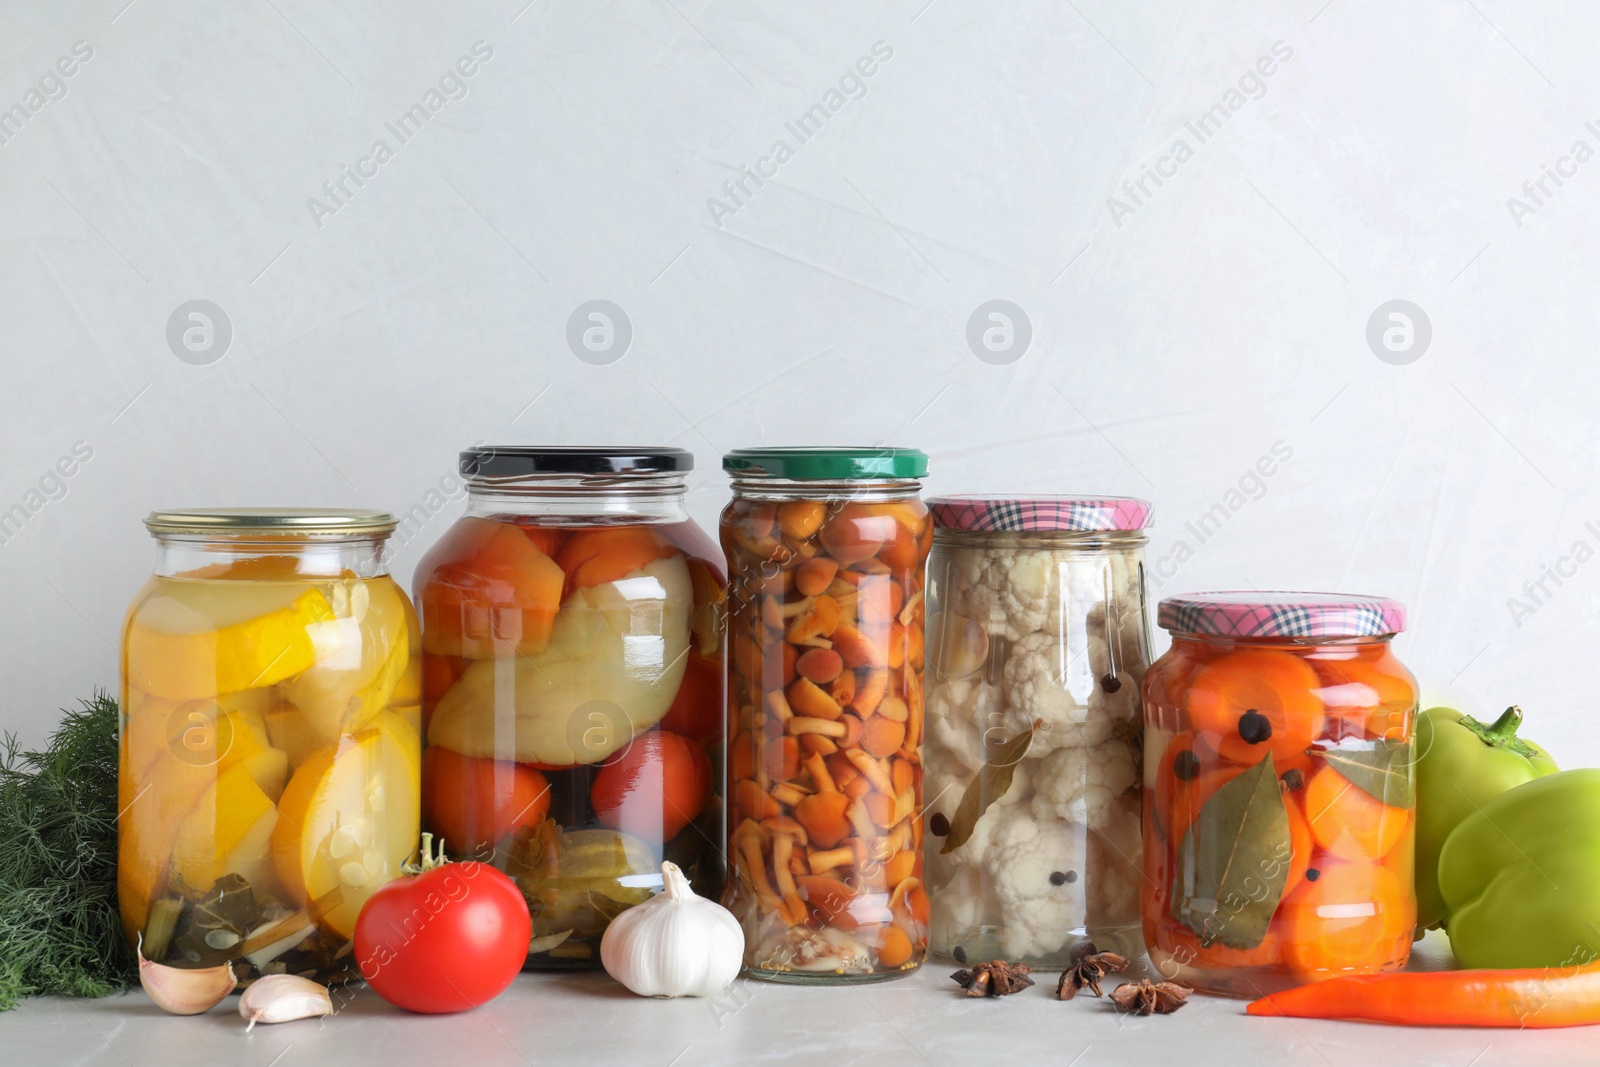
(827, 464)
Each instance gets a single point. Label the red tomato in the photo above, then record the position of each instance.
(655, 788)
(446, 940)
(439, 673)
(472, 804)
(697, 709)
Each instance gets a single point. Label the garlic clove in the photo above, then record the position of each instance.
(282, 998)
(184, 990)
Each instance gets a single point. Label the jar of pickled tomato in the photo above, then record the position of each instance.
(1038, 640)
(1279, 794)
(572, 684)
(270, 751)
(825, 613)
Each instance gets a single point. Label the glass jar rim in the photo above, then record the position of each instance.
(272, 522)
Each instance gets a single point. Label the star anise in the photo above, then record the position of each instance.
(1088, 967)
(1150, 998)
(996, 978)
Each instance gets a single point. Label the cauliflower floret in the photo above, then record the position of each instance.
(1082, 584)
(958, 714)
(1036, 867)
(1114, 865)
(943, 789)
(966, 588)
(1010, 593)
(1045, 682)
(1082, 785)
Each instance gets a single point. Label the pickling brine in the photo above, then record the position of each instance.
(270, 752)
(1279, 797)
(572, 685)
(826, 550)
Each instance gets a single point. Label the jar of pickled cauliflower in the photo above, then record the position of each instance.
(1038, 641)
(1279, 795)
(270, 753)
(825, 552)
(572, 684)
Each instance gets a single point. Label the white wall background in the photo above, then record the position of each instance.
(1171, 348)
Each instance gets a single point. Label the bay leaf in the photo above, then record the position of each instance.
(1233, 861)
(1382, 771)
(986, 787)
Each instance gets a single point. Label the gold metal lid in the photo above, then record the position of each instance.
(275, 521)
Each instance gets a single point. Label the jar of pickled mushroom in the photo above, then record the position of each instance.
(572, 684)
(1278, 820)
(1038, 641)
(825, 612)
(270, 754)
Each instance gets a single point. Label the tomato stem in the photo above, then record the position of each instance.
(430, 859)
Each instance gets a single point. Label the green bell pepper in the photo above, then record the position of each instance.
(1461, 764)
(1521, 876)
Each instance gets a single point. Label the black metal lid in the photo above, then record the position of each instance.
(523, 461)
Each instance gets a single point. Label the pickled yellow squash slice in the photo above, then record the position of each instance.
(349, 818)
(198, 639)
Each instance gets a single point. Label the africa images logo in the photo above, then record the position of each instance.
(1250, 86)
(851, 86)
(453, 85)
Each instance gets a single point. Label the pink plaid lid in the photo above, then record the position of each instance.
(1035, 514)
(1275, 614)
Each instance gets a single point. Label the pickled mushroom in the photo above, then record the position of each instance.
(621, 644)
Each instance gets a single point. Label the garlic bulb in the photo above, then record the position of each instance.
(282, 998)
(184, 990)
(675, 944)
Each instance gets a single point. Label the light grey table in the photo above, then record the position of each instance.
(917, 1021)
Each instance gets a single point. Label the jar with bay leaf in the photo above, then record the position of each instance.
(1279, 811)
(1038, 639)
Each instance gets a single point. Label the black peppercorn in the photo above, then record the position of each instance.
(959, 953)
(939, 824)
(1186, 766)
(1110, 683)
(1293, 779)
(1312, 874)
(1255, 727)
(1058, 878)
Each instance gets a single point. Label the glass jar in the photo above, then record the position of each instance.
(825, 554)
(572, 684)
(270, 754)
(1279, 821)
(1038, 641)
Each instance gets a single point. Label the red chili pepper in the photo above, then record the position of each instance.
(1534, 998)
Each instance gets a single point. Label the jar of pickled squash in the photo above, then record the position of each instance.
(1279, 794)
(572, 684)
(1038, 641)
(825, 612)
(270, 752)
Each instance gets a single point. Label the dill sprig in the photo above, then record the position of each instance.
(60, 931)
